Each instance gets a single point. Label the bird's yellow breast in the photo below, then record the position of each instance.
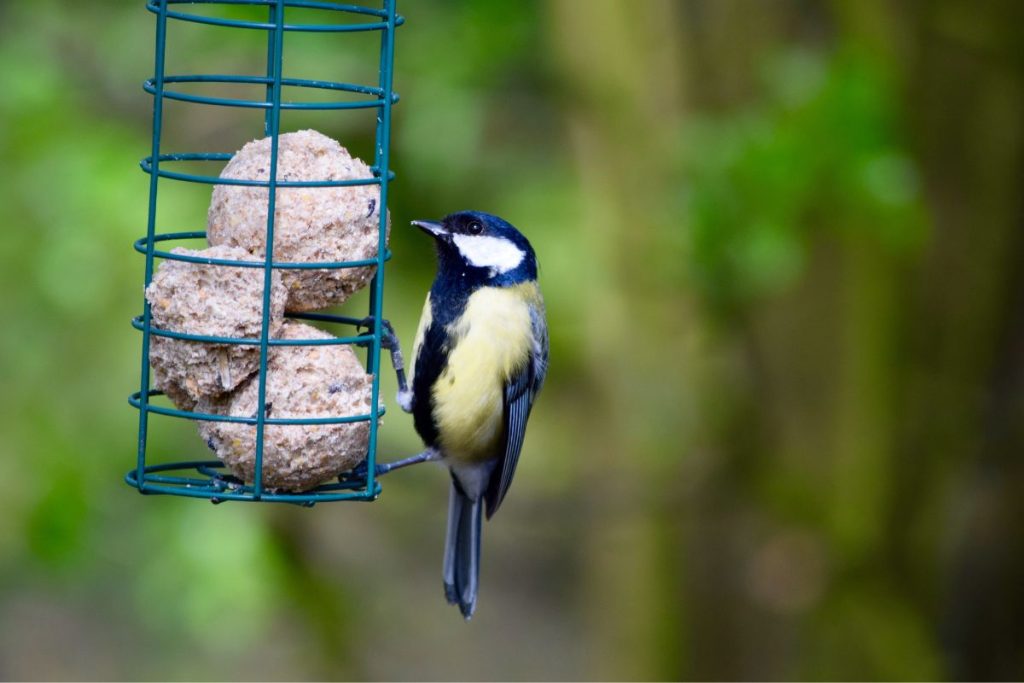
(490, 341)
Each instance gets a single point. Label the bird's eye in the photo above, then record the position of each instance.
(475, 228)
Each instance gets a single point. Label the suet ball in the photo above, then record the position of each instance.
(302, 382)
(211, 300)
(311, 224)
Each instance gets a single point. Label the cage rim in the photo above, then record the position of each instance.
(150, 87)
(147, 166)
(138, 324)
(142, 248)
(219, 488)
(135, 400)
(154, 7)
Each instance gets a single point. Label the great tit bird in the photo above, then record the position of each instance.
(479, 359)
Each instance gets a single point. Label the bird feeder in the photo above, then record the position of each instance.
(207, 478)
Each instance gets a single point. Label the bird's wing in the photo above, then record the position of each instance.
(520, 391)
(518, 399)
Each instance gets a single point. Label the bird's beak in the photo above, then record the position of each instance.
(432, 228)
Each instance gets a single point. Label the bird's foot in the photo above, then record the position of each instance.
(389, 341)
(388, 338)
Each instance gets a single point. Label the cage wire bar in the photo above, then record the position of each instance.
(207, 478)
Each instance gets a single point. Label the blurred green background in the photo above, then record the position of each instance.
(782, 245)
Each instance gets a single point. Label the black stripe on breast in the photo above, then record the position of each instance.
(448, 297)
(431, 361)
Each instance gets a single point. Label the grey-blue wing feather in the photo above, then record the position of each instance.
(540, 348)
(520, 391)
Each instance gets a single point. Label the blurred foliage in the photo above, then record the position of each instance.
(819, 150)
(781, 247)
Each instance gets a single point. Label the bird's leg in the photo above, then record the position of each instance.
(429, 455)
(389, 341)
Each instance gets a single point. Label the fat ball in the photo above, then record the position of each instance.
(302, 382)
(211, 300)
(311, 224)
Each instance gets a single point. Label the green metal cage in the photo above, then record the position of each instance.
(207, 478)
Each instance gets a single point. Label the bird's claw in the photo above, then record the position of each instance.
(358, 472)
(389, 342)
(388, 338)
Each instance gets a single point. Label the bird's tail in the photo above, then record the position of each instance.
(462, 551)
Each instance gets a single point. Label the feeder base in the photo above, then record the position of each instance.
(209, 479)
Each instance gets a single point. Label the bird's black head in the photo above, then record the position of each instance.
(481, 248)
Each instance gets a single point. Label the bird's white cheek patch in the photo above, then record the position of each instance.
(496, 253)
